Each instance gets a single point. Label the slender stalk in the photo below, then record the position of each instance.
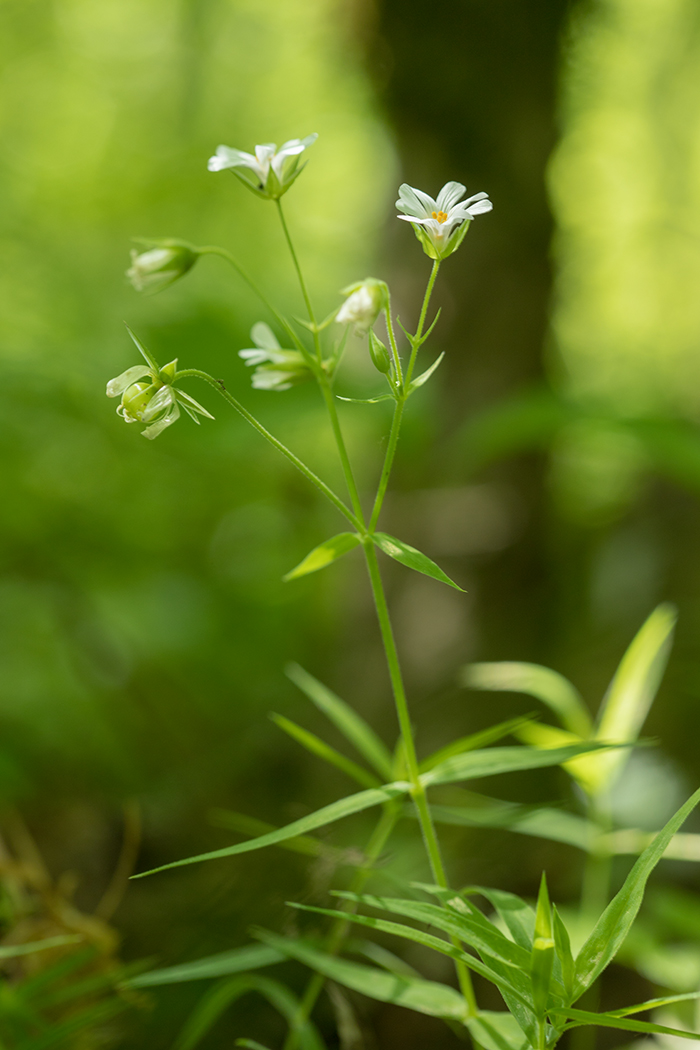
(339, 929)
(302, 283)
(388, 463)
(337, 502)
(418, 794)
(392, 341)
(212, 249)
(421, 319)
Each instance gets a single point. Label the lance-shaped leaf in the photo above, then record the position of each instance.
(319, 747)
(473, 742)
(542, 955)
(496, 760)
(307, 845)
(546, 685)
(611, 1020)
(425, 997)
(212, 1005)
(539, 822)
(614, 924)
(498, 976)
(251, 957)
(355, 729)
(516, 913)
(12, 951)
(496, 1031)
(425, 376)
(633, 688)
(328, 815)
(562, 945)
(324, 554)
(251, 1044)
(411, 558)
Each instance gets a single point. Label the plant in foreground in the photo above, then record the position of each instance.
(525, 953)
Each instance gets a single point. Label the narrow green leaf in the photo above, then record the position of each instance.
(381, 956)
(304, 844)
(324, 554)
(614, 924)
(562, 945)
(633, 688)
(425, 997)
(328, 815)
(540, 822)
(367, 400)
(11, 951)
(473, 742)
(251, 1044)
(323, 750)
(251, 957)
(150, 360)
(217, 1000)
(497, 976)
(586, 1017)
(516, 913)
(654, 1004)
(411, 558)
(425, 376)
(496, 1031)
(495, 760)
(546, 685)
(355, 729)
(542, 956)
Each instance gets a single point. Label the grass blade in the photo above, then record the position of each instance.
(585, 1017)
(328, 815)
(540, 822)
(426, 997)
(323, 750)
(344, 718)
(251, 957)
(304, 844)
(546, 685)
(472, 742)
(614, 924)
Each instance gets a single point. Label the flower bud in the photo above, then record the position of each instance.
(379, 354)
(364, 302)
(160, 265)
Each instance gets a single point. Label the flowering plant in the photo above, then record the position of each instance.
(540, 964)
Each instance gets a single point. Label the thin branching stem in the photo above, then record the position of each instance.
(195, 373)
(421, 320)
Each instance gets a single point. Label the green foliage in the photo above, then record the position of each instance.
(411, 558)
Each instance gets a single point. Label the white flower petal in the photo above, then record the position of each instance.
(449, 195)
(263, 336)
(255, 356)
(160, 400)
(268, 379)
(415, 202)
(481, 207)
(157, 428)
(118, 385)
(477, 197)
(227, 157)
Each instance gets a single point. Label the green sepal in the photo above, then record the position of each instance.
(381, 358)
(325, 554)
(411, 558)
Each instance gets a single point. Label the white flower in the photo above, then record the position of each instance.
(273, 170)
(155, 402)
(440, 225)
(363, 304)
(275, 368)
(162, 263)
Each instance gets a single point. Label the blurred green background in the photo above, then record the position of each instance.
(552, 466)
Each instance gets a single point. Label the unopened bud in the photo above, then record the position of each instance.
(379, 354)
(160, 265)
(364, 302)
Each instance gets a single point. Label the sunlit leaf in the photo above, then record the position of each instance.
(324, 554)
(614, 924)
(546, 685)
(425, 997)
(495, 760)
(344, 718)
(411, 558)
(238, 960)
(473, 742)
(540, 822)
(323, 750)
(586, 1017)
(328, 815)
(562, 945)
(425, 376)
(496, 1031)
(304, 844)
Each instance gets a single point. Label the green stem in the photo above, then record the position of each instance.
(218, 384)
(342, 450)
(421, 320)
(212, 249)
(388, 463)
(418, 794)
(340, 927)
(302, 283)
(392, 340)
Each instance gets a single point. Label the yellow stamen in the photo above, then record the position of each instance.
(441, 216)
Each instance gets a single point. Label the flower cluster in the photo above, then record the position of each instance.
(154, 402)
(269, 171)
(275, 368)
(440, 225)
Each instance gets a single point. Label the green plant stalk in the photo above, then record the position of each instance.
(302, 283)
(421, 321)
(195, 373)
(339, 930)
(392, 341)
(388, 462)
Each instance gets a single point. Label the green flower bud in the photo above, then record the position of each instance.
(381, 358)
(364, 302)
(160, 265)
(135, 400)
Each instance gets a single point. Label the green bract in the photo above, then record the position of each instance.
(155, 402)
